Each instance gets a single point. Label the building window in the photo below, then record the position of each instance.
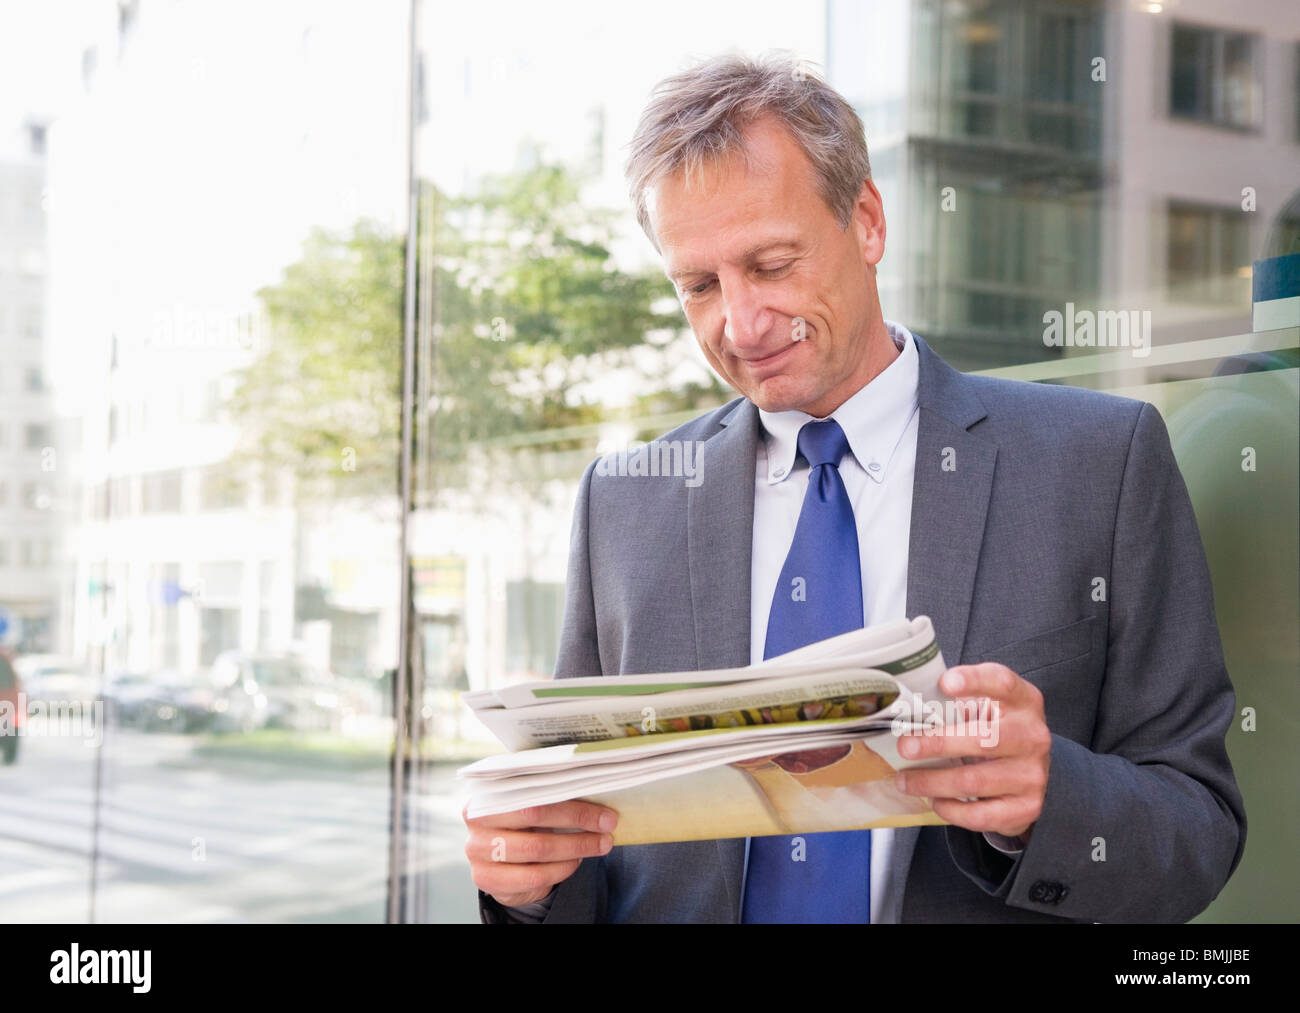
(1208, 254)
(1214, 77)
(352, 635)
(34, 497)
(534, 611)
(160, 492)
(34, 380)
(37, 436)
(120, 500)
(165, 618)
(1286, 233)
(89, 63)
(33, 553)
(32, 262)
(218, 632)
(29, 324)
(99, 500)
(36, 138)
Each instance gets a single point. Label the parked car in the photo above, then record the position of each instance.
(274, 691)
(164, 701)
(126, 697)
(10, 688)
(50, 677)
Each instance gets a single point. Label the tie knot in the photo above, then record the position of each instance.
(823, 443)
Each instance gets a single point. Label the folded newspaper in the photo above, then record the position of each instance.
(802, 743)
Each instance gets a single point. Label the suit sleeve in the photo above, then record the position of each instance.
(1145, 822)
(581, 897)
(579, 651)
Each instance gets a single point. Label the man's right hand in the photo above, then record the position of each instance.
(518, 857)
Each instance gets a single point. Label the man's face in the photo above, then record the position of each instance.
(782, 300)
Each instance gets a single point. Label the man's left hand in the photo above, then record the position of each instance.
(1011, 741)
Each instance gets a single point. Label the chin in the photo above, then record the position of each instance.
(778, 395)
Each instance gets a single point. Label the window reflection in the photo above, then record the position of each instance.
(1024, 170)
(205, 231)
(202, 270)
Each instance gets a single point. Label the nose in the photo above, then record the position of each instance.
(745, 320)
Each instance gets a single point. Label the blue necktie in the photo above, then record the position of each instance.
(827, 879)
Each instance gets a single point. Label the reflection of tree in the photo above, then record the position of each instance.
(524, 314)
(529, 317)
(321, 400)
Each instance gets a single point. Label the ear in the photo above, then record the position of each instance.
(869, 221)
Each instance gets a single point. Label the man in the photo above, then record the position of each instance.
(1045, 530)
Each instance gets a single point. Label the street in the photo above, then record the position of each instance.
(185, 837)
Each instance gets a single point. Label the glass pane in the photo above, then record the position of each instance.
(1190, 68)
(548, 333)
(1239, 76)
(1020, 177)
(215, 207)
(204, 556)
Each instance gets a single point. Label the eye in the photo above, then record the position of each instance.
(776, 270)
(698, 289)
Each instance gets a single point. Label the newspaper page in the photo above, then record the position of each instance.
(803, 767)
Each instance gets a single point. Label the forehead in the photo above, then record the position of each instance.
(738, 202)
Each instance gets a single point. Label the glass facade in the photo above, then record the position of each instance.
(206, 423)
(313, 314)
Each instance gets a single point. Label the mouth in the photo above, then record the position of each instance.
(768, 364)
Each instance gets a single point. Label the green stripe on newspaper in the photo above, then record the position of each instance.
(638, 740)
(911, 661)
(619, 689)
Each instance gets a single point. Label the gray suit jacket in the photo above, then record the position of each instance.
(1053, 488)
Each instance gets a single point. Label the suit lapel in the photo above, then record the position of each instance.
(719, 543)
(950, 499)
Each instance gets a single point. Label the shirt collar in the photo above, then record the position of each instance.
(873, 419)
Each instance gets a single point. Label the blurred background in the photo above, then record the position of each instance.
(237, 238)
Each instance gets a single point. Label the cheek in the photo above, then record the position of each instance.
(831, 321)
(714, 360)
(708, 332)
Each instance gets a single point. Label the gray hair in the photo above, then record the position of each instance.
(700, 115)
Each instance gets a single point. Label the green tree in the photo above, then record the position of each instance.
(533, 314)
(523, 313)
(322, 399)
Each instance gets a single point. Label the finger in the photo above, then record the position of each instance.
(998, 730)
(574, 815)
(1006, 816)
(523, 846)
(990, 779)
(943, 743)
(992, 680)
(506, 881)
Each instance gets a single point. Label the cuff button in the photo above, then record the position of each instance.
(1048, 892)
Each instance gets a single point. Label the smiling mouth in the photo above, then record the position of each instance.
(768, 361)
